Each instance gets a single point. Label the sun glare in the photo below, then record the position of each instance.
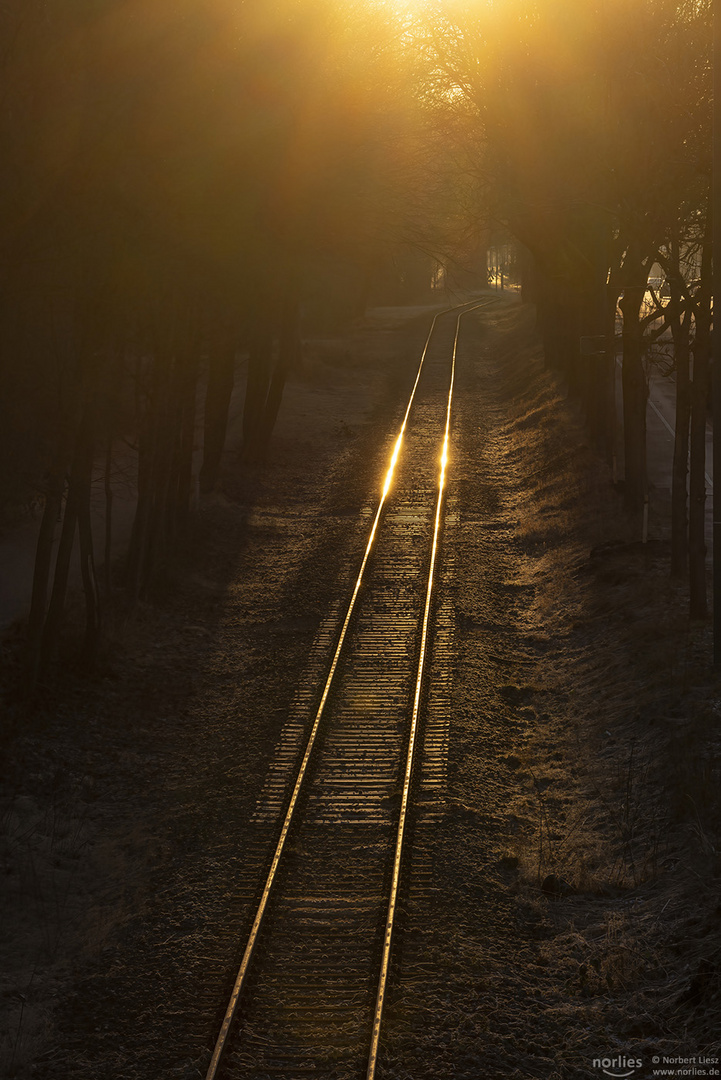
(410, 6)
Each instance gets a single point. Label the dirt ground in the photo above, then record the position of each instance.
(577, 911)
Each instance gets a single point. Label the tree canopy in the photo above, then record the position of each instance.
(182, 179)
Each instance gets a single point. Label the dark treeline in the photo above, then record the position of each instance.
(187, 186)
(584, 132)
(179, 181)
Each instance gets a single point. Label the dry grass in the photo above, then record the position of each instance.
(43, 848)
(617, 806)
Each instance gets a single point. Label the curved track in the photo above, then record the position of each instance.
(309, 994)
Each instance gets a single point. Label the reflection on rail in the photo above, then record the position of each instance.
(410, 755)
(302, 771)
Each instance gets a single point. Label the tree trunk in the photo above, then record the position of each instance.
(527, 270)
(635, 388)
(256, 391)
(110, 418)
(87, 561)
(221, 373)
(558, 324)
(77, 505)
(56, 608)
(594, 327)
(544, 317)
(138, 536)
(108, 490)
(184, 453)
(288, 354)
(570, 337)
(680, 322)
(165, 452)
(610, 368)
(41, 573)
(164, 413)
(699, 402)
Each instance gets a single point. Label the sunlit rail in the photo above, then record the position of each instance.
(410, 754)
(302, 771)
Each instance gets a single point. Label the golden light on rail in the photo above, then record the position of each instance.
(393, 461)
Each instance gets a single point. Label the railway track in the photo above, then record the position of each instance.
(343, 793)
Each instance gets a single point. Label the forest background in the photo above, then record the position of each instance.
(188, 188)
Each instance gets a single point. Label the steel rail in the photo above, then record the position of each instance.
(242, 974)
(412, 739)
